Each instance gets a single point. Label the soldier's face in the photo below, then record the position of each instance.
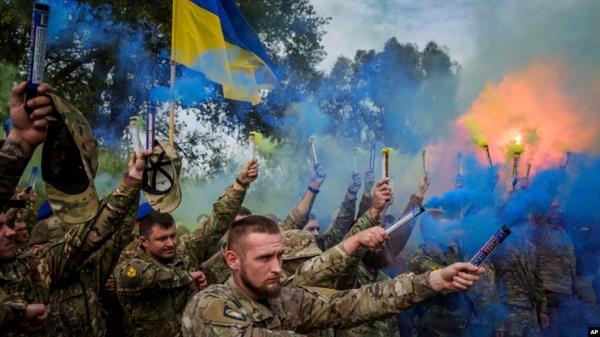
(22, 235)
(7, 241)
(313, 227)
(161, 243)
(260, 267)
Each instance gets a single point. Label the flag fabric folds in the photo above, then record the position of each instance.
(212, 36)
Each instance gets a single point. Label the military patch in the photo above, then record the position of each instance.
(131, 272)
(227, 312)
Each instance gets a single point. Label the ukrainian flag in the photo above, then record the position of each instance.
(213, 37)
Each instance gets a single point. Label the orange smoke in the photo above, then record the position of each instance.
(538, 106)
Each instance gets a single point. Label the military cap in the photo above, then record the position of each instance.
(299, 244)
(69, 163)
(50, 229)
(160, 181)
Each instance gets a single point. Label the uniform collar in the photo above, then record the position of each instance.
(255, 310)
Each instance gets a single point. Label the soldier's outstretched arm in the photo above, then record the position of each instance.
(135, 276)
(382, 194)
(367, 196)
(344, 219)
(319, 308)
(335, 263)
(64, 257)
(29, 130)
(298, 216)
(202, 243)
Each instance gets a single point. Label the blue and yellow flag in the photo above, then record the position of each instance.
(213, 37)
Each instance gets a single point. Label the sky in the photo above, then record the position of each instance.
(367, 24)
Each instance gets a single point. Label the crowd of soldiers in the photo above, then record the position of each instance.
(77, 265)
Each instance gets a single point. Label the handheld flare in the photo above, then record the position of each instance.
(486, 148)
(515, 169)
(150, 130)
(408, 217)
(528, 170)
(385, 157)
(37, 52)
(566, 160)
(34, 171)
(134, 132)
(372, 159)
(459, 159)
(424, 162)
(355, 160)
(487, 249)
(252, 141)
(313, 145)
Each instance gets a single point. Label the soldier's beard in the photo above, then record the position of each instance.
(261, 292)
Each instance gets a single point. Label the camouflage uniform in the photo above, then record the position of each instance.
(520, 286)
(76, 307)
(31, 279)
(344, 220)
(362, 275)
(224, 310)
(557, 270)
(11, 170)
(153, 294)
(444, 315)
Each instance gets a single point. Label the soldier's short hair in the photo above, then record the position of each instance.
(251, 224)
(163, 220)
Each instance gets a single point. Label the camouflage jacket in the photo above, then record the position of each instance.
(341, 225)
(76, 307)
(445, 314)
(153, 294)
(556, 258)
(380, 328)
(365, 203)
(224, 310)
(518, 278)
(11, 170)
(31, 279)
(294, 220)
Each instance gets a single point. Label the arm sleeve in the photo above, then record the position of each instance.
(321, 270)
(203, 241)
(365, 203)
(11, 170)
(64, 257)
(341, 225)
(135, 276)
(11, 311)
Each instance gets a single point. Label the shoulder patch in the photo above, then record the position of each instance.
(323, 293)
(131, 272)
(228, 312)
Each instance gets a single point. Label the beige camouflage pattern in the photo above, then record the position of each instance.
(50, 229)
(30, 279)
(153, 294)
(11, 170)
(556, 258)
(299, 244)
(76, 307)
(169, 201)
(224, 310)
(81, 207)
(519, 283)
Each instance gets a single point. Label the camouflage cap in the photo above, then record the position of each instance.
(69, 163)
(299, 244)
(161, 178)
(51, 229)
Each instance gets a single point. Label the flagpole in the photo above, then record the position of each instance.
(172, 79)
(172, 106)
